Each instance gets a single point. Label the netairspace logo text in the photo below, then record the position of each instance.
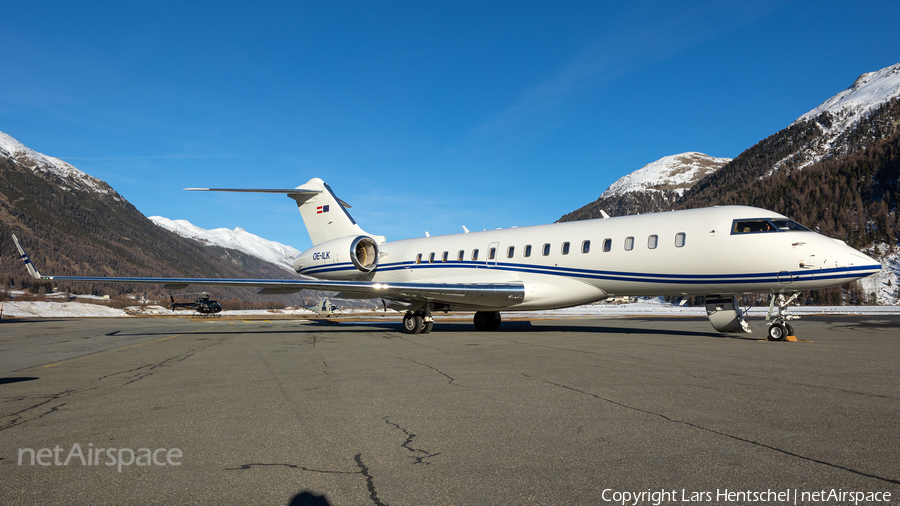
(119, 457)
(719, 496)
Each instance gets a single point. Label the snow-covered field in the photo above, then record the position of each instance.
(654, 307)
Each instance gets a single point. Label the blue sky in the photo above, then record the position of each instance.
(422, 115)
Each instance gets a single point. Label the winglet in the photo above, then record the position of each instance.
(28, 265)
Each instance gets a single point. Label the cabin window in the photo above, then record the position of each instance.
(527, 252)
(419, 258)
(510, 251)
(565, 248)
(460, 256)
(546, 249)
(431, 258)
(607, 245)
(445, 256)
(474, 254)
(679, 239)
(653, 241)
(492, 253)
(586, 247)
(629, 243)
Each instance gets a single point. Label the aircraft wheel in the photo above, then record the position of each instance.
(427, 328)
(777, 332)
(790, 329)
(487, 320)
(495, 322)
(412, 324)
(482, 320)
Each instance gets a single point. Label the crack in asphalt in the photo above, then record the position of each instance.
(644, 364)
(363, 470)
(712, 431)
(406, 444)
(370, 480)
(442, 373)
(152, 367)
(18, 420)
(244, 467)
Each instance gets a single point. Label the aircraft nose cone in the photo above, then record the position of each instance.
(857, 261)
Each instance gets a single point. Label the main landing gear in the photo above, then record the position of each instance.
(779, 328)
(419, 322)
(487, 320)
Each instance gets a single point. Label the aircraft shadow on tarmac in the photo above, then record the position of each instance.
(306, 498)
(512, 327)
(4, 381)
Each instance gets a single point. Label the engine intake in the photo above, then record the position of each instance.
(364, 253)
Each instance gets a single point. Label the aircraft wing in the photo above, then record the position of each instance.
(474, 294)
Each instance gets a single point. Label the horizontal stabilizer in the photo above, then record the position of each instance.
(297, 194)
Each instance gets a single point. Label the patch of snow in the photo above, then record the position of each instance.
(884, 282)
(41, 309)
(237, 239)
(675, 173)
(847, 108)
(20, 154)
(869, 91)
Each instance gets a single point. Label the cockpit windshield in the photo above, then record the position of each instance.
(763, 225)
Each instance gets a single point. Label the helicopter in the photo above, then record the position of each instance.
(203, 304)
(325, 309)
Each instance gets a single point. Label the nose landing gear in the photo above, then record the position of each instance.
(779, 329)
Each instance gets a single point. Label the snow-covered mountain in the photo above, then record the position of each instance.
(15, 151)
(654, 187)
(675, 173)
(837, 117)
(834, 120)
(237, 239)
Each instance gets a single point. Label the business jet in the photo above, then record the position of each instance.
(715, 252)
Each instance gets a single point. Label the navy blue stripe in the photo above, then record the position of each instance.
(770, 277)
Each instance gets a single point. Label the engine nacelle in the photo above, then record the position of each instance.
(346, 257)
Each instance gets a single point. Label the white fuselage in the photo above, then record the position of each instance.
(697, 252)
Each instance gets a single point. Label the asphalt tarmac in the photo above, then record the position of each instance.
(546, 412)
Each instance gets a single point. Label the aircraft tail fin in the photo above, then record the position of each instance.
(324, 215)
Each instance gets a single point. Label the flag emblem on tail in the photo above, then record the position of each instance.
(321, 209)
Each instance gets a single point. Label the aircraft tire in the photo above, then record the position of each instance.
(777, 332)
(412, 324)
(482, 320)
(495, 322)
(487, 320)
(790, 329)
(427, 328)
